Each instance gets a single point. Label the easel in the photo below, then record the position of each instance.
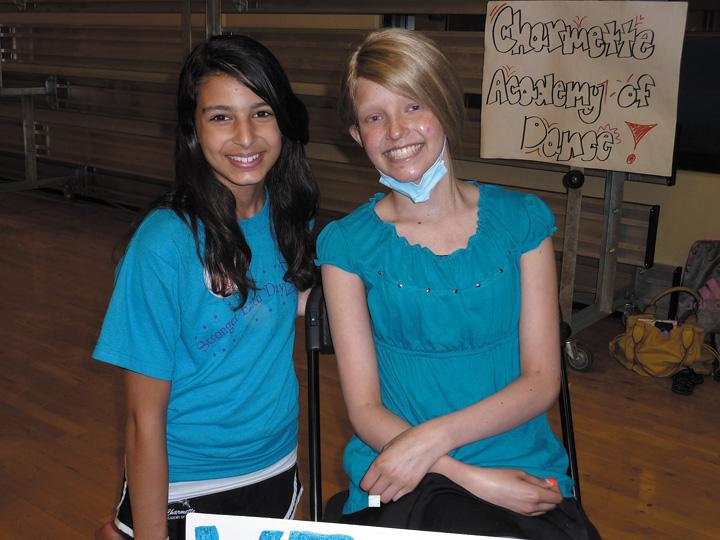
(603, 305)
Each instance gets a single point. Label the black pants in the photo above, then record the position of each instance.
(440, 505)
(276, 497)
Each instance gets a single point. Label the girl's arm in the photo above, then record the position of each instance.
(357, 364)
(509, 488)
(350, 326)
(146, 454)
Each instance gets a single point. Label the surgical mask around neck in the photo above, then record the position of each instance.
(419, 191)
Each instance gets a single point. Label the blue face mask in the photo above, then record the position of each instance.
(419, 191)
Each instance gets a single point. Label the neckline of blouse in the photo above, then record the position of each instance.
(401, 240)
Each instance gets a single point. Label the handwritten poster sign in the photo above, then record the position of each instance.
(583, 83)
(220, 527)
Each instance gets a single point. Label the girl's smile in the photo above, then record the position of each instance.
(246, 162)
(402, 153)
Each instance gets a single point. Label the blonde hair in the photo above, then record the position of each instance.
(410, 64)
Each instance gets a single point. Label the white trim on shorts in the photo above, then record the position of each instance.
(178, 491)
(297, 493)
(119, 524)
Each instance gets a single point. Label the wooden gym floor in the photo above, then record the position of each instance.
(649, 459)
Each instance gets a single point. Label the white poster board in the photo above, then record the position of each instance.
(583, 83)
(220, 527)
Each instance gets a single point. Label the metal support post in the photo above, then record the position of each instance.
(28, 110)
(614, 187)
(605, 290)
(213, 18)
(186, 25)
(573, 182)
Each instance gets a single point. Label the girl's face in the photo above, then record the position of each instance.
(237, 131)
(402, 137)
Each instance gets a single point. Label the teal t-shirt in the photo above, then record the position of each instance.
(445, 328)
(233, 405)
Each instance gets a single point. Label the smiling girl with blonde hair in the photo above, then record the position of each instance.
(442, 300)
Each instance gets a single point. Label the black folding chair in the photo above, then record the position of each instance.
(318, 341)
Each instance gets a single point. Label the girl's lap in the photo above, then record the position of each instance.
(440, 505)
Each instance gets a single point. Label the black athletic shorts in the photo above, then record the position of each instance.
(276, 497)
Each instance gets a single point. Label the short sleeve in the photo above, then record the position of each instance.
(332, 248)
(538, 222)
(141, 326)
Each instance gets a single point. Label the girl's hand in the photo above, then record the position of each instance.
(512, 489)
(402, 464)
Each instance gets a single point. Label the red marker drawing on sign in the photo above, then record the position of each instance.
(496, 10)
(638, 132)
(578, 20)
(508, 69)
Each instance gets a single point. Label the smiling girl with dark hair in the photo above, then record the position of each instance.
(202, 315)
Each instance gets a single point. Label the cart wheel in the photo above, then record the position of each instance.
(573, 179)
(578, 356)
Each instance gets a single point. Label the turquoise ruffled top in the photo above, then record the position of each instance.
(445, 327)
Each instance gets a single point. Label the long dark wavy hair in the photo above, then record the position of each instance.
(198, 197)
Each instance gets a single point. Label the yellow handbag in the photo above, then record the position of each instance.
(661, 347)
